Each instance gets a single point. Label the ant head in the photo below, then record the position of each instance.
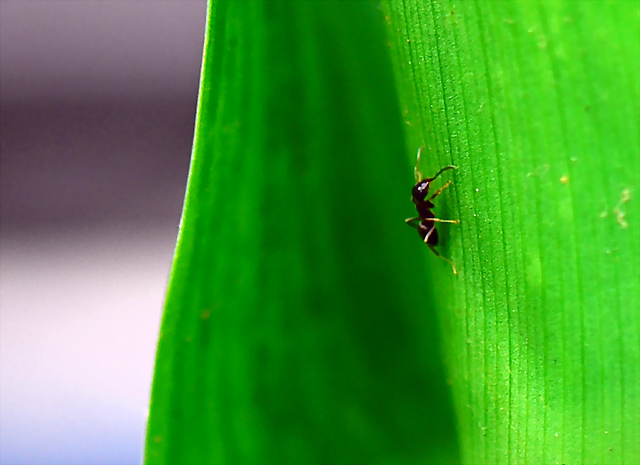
(421, 189)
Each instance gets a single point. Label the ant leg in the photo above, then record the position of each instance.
(439, 191)
(413, 222)
(433, 249)
(438, 220)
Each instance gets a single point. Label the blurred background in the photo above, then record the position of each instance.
(97, 105)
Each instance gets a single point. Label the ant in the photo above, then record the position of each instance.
(425, 221)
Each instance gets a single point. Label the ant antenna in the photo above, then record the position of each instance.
(450, 167)
(416, 171)
(418, 174)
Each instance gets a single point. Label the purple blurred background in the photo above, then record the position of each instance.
(97, 104)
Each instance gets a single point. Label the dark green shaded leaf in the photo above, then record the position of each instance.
(297, 327)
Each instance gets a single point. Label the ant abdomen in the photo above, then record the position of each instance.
(432, 238)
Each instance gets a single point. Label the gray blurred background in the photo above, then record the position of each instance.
(97, 105)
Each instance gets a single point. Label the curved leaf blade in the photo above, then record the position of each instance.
(295, 329)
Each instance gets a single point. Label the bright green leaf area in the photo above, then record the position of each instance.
(538, 104)
(300, 325)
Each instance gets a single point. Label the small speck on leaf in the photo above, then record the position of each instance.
(619, 212)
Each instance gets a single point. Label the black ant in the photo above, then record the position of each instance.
(425, 221)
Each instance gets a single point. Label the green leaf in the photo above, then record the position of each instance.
(538, 103)
(298, 328)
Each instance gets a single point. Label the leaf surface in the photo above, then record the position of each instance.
(538, 104)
